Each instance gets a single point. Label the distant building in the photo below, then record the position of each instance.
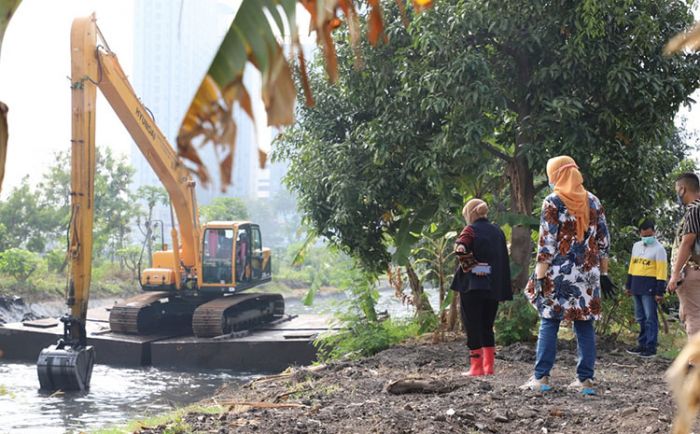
(174, 44)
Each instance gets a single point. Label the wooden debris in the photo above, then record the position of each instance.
(419, 385)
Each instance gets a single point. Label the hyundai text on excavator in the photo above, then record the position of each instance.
(193, 286)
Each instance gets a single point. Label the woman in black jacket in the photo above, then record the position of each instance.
(482, 280)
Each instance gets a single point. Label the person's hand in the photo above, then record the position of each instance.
(607, 287)
(659, 299)
(539, 286)
(673, 283)
(628, 292)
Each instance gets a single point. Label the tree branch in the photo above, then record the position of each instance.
(539, 187)
(503, 156)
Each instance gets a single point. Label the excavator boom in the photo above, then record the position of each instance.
(184, 286)
(68, 364)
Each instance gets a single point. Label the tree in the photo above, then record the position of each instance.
(152, 196)
(130, 257)
(18, 263)
(278, 219)
(476, 87)
(224, 208)
(114, 205)
(30, 223)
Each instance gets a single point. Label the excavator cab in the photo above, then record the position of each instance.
(217, 256)
(233, 258)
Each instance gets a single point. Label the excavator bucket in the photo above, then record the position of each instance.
(65, 368)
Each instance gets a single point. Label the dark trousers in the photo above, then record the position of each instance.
(478, 315)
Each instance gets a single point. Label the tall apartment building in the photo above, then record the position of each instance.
(174, 44)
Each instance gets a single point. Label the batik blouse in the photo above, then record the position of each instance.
(571, 288)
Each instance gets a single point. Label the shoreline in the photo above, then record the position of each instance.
(362, 396)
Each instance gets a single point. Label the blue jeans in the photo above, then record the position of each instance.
(645, 314)
(547, 348)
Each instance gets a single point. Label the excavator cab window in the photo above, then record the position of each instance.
(217, 262)
(257, 253)
(243, 255)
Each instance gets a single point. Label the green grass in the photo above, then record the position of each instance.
(671, 344)
(173, 420)
(4, 391)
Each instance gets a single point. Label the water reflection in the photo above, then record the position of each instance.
(117, 395)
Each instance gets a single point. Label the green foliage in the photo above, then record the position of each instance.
(39, 216)
(5, 392)
(109, 278)
(224, 208)
(114, 206)
(172, 421)
(152, 195)
(25, 222)
(362, 332)
(321, 266)
(56, 260)
(473, 90)
(130, 257)
(363, 338)
(470, 100)
(515, 321)
(19, 263)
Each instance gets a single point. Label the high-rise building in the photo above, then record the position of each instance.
(174, 44)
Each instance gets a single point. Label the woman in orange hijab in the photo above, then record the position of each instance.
(571, 270)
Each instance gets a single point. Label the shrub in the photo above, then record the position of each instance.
(363, 338)
(515, 321)
(56, 259)
(19, 263)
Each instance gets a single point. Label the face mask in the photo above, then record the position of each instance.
(679, 199)
(648, 241)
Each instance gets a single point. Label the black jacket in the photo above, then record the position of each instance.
(488, 246)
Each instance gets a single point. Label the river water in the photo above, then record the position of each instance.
(116, 395)
(119, 394)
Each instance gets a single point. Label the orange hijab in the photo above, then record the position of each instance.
(563, 172)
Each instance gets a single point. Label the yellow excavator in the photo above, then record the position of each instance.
(197, 284)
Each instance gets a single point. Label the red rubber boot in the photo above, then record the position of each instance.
(489, 355)
(476, 368)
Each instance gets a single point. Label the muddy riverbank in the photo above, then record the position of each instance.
(16, 309)
(352, 397)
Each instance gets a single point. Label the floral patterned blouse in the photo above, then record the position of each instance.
(571, 289)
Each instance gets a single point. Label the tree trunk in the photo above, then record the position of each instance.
(441, 281)
(419, 298)
(454, 319)
(149, 243)
(522, 196)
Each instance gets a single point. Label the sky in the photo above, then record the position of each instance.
(34, 70)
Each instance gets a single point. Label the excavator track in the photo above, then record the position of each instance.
(236, 312)
(149, 312)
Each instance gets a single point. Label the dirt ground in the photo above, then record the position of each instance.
(351, 397)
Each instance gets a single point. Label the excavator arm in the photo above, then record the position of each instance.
(68, 364)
